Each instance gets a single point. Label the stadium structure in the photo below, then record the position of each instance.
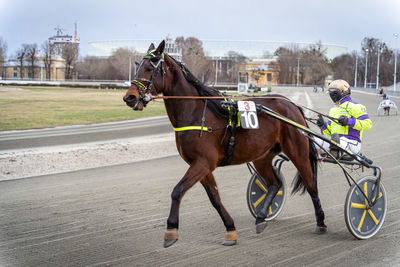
(215, 49)
(259, 55)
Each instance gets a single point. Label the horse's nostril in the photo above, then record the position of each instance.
(129, 98)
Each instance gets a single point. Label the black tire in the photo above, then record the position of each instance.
(364, 223)
(256, 192)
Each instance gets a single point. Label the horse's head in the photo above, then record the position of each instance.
(148, 80)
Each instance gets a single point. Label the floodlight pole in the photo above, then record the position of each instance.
(298, 66)
(377, 68)
(130, 68)
(395, 62)
(366, 69)
(355, 74)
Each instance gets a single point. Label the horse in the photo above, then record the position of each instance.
(202, 139)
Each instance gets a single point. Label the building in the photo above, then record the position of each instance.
(261, 73)
(62, 38)
(12, 67)
(12, 70)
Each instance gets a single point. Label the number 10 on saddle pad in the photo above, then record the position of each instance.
(248, 114)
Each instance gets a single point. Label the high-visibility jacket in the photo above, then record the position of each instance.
(358, 120)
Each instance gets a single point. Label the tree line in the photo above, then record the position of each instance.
(308, 66)
(29, 55)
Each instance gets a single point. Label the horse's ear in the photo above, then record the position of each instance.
(160, 48)
(151, 47)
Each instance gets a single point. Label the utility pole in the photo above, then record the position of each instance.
(216, 71)
(298, 66)
(377, 68)
(395, 61)
(130, 68)
(366, 69)
(355, 74)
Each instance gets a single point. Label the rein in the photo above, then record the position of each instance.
(244, 96)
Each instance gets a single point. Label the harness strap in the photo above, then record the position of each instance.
(189, 128)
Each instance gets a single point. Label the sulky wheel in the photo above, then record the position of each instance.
(361, 221)
(256, 192)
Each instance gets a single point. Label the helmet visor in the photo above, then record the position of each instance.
(335, 94)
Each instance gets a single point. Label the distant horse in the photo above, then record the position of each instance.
(202, 137)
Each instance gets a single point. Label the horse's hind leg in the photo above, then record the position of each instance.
(211, 188)
(307, 177)
(265, 169)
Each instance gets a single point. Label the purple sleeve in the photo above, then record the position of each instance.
(351, 122)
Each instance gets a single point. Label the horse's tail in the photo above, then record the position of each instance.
(298, 183)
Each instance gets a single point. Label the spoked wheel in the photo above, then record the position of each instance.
(257, 191)
(361, 221)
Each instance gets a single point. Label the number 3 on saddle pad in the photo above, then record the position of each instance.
(248, 114)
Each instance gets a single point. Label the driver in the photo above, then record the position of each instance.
(352, 120)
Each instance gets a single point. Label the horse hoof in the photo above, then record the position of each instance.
(229, 242)
(170, 237)
(260, 227)
(321, 230)
(230, 238)
(169, 242)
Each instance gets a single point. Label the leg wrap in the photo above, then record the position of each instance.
(171, 234)
(231, 235)
(319, 213)
(272, 190)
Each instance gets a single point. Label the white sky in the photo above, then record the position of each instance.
(342, 22)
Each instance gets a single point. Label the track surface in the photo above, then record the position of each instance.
(117, 215)
(10, 140)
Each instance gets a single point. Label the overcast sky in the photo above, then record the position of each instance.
(342, 22)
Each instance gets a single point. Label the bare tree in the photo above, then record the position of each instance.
(95, 68)
(236, 60)
(31, 56)
(344, 67)
(286, 64)
(386, 66)
(21, 55)
(315, 64)
(194, 57)
(310, 63)
(70, 53)
(48, 54)
(3, 56)
(120, 62)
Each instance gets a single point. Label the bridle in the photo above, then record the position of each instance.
(144, 90)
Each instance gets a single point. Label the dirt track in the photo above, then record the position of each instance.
(117, 215)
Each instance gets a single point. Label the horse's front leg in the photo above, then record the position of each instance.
(195, 173)
(210, 185)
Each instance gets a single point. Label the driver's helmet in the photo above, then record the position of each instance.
(338, 89)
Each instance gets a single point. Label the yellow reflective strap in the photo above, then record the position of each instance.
(259, 200)
(361, 221)
(373, 217)
(358, 206)
(188, 128)
(260, 185)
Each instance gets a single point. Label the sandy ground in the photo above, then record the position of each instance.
(116, 215)
(55, 159)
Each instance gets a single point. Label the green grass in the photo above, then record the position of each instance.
(41, 107)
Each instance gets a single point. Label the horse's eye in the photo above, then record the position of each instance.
(148, 69)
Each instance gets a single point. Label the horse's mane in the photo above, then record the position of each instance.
(213, 104)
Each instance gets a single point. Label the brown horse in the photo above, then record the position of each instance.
(204, 146)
